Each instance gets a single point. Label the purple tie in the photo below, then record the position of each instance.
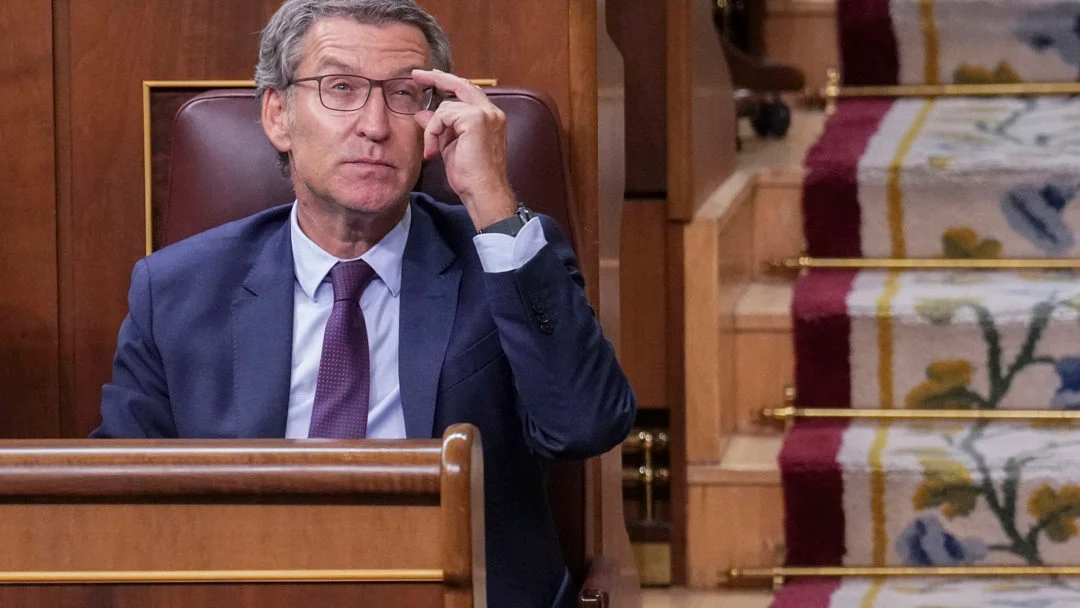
(341, 393)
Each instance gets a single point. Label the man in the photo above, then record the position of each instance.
(363, 311)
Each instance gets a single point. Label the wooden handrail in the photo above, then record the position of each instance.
(118, 468)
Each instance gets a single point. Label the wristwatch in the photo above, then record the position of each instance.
(511, 225)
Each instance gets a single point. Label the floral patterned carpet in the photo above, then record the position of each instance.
(959, 177)
(930, 178)
(931, 593)
(958, 41)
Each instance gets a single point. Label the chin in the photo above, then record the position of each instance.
(372, 199)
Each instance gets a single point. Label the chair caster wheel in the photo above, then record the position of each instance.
(773, 119)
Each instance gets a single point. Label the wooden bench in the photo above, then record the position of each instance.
(267, 523)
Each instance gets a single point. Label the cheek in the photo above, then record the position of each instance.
(413, 138)
(410, 147)
(315, 144)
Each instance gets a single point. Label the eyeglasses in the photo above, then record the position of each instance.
(347, 92)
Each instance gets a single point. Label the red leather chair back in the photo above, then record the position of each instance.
(223, 168)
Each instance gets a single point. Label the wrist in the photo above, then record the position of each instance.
(511, 225)
(489, 209)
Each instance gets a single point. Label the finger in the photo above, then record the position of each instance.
(445, 125)
(445, 81)
(423, 118)
(454, 112)
(439, 127)
(434, 127)
(446, 108)
(446, 139)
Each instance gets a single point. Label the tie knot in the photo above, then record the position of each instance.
(350, 279)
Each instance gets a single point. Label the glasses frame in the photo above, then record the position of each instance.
(372, 83)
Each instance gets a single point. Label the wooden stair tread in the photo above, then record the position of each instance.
(765, 161)
(748, 460)
(764, 307)
(783, 154)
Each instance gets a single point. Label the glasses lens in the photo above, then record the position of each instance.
(406, 96)
(344, 92)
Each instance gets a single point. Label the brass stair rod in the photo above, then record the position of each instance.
(790, 412)
(742, 574)
(808, 263)
(833, 89)
(961, 90)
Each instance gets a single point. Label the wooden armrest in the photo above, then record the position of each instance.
(600, 583)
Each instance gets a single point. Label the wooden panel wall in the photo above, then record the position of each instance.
(802, 33)
(700, 157)
(644, 298)
(516, 41)
(92, 211)
(110, 53)
(700, 109)
(29, 363)
(638, 29)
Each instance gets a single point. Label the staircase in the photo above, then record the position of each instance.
(962, 178)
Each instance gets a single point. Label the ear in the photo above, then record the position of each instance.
(274, 120)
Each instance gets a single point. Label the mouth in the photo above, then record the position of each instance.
(369, 162)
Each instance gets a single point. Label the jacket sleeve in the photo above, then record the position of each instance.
(573, 398)
(135, 404)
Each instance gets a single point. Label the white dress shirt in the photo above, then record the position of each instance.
(313, 300)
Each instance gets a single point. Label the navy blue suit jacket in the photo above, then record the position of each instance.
(205, 352)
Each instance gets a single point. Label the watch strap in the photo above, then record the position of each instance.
(511, 225)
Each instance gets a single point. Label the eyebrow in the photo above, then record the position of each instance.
(337, 64)
(334, 64)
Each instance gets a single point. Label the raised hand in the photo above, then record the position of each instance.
(469, 132)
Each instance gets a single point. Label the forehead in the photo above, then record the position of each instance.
(342, 42)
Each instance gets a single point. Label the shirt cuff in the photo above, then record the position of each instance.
(503, 253)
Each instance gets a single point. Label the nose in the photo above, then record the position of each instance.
(373, 120)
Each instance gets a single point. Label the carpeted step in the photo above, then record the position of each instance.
(953, 177)
(938, 340)
(929, 593)
(941, 493)
(888, 42)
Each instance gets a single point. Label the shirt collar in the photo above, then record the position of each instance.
(312, 264)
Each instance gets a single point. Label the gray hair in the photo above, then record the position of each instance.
(279, 44)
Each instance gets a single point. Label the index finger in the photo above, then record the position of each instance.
(445, 81)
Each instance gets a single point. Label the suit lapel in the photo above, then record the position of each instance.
(262, 340)
(429, 293)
